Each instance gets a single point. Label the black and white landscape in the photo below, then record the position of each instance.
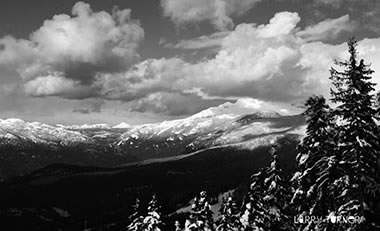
(189, 115)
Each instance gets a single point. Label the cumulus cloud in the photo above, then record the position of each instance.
(89, 37)
(56, 85)
(272, 62)
(217, 12)
(78, 47)
(277, 61)
(147, 77)
(327, 29)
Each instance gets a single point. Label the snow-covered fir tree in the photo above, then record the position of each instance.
(318, 168)
(254, 215)
(358, 141)
(177, 226)
(276, 196)
(269, 196)
(152, 221)
(136, 219)
(200, 218)
(229, 216)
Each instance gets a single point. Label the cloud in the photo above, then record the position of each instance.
(90, 106)
(51, 85)
(271, 62)
(89, 37)
(365, 13)
(371, 18)
(145, 78)
(78, 47)
(327, 29)
(333, 3)
(203, 42)
(277, 61)
(217, 12)
(174, 104)
(340, 3)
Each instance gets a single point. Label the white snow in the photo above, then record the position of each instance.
(39, 132)
(122, 125)
(89, 126)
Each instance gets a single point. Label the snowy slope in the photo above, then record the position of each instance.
(227, 124)
(244, 124)
(16, 130)
(27, 146)
(204, 122)
(88, 126)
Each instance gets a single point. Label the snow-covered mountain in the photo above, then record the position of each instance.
(226, 124)
(18, 132)
(122, 125)
(87, 126)
(90, 166)
(242, 106)
(244, 124)
(210, 120)
(26, 146)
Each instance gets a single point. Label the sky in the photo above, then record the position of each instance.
(142, 61)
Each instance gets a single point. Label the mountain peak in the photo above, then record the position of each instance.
(122, 125)
(249, 103)
(12, 121)
(88, 126)
(242, 106)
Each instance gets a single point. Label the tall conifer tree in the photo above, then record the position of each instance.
(254, 215)
(230, 216)
(358, 139)
(200, 218)
(318, 165)
(276, 196)
(152, 222)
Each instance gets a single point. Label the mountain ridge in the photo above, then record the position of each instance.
(103, 145)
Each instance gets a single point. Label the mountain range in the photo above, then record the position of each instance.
(27, 146)
(96, 171)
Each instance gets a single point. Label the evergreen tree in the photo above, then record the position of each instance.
(276, 197)
(136, 219)
(377, 106)
(318, 166)
(230, 216)
(177, 226)
(152, 221)
(201, 215)
(268, 199)
(253, 217)
(358, 140)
